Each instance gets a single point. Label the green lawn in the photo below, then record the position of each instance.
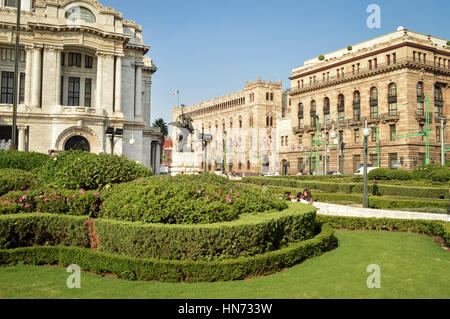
(412, 266)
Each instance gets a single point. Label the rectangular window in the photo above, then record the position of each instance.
(271, 96)
(370, 64)
(327, 119)
(422, 159)
(357, 114)
(7, 88)
(22, 56)
(392, 132)
(375, 63)
(341, 116)
(394, 58)
(422, 130)
(61, 93)
(392, 160)
(63, 59)
(357, 136)
(88, 93)
(338, 73)
(388, 59)
(88, 63)
(282, 141)
(392, 109)
(301, 164)
(74, 92)
(438, 134)
(373, 160)
(374, 134)
(75, 60)
(356, 162)
(374, 111)
(22, 89)
(11, 3)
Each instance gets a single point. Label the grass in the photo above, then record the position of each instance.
(412, 266)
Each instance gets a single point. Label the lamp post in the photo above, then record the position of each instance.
(16, 81)
(366, 134)
(443, 149)
(336, 141)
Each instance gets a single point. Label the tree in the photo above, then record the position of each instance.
(162, 125)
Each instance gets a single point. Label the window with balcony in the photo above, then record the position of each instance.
(341, 108)
(438, 102)
(420, 99)
(7, 87)
(300, 115)
(373, 103)
(326, 111)
(313, 113)
(356, 106)
(74, 60)
(88, 93)
(392, 99)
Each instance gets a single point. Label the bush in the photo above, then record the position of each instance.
(249, 235)
(440, 175)
(173, 271)
(64, 202)
(349, 48)
(15, 179)
(379, 174)
(425, 171)
(184, 200)
(22, 160)
(399, 174)
(83, 170)
(42, 229)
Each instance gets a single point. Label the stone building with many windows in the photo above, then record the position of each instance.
(83, 69)
(386, 81)
(243, 127)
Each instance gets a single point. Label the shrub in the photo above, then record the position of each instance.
(399, 174)
(173, 270)
(83, 170)
(349, 48)
(379, 174)
(321, 57)
(440, 175)
(184, 200)
(249, 235)
(65, 202)
(42, 229)
(15, 179)
(22, 160)
(448, 43)
(424, 171)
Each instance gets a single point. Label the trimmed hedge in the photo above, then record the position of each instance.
(348, 188)
(15, 179)
(42, 229)
(428, 227)
(64, 202)
(26, 161)
(130, 268)
(250, 235)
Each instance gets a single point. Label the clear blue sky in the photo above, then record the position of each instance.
(209, 48)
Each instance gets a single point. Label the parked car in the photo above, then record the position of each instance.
(360, 171)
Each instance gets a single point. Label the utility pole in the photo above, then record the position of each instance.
(16, 81)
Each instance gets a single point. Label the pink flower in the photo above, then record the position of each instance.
(228, 199)
(21, 188)
(34, 182)
(46, 200)
(199, 191)
(73, 196)
(20, 200)
(24, 197)
(231, 190)
(27, 206)
(207, 197)
(83, 192)
(237, 194)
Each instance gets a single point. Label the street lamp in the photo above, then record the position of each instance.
(443, 148)
(333, 136)
(16, 81)
(366, 133)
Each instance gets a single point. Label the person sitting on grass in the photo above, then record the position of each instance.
(265, 189)
(306, 197)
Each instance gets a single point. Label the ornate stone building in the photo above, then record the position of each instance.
(82, 69)
(385, 81)
(243, 126)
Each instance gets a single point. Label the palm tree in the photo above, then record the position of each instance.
(162, 125)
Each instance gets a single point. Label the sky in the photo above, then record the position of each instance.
(209, 48)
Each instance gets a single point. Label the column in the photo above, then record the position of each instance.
(28, 70)
(22, 143)
(118, 97)
(157, 159)
(99, 91)
(138, 92)
(36, 80)
(58, 76)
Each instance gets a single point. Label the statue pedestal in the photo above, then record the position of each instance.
(184, 163)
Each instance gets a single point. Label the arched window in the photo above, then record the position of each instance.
(373, 103)
(313, 113)
(341, 108)
(271, 121)
(80, 13)
(77, 143)
(438, 102)
(420, 99)
(300, 115)
(356, 106)
(326, 111)
(392, 99)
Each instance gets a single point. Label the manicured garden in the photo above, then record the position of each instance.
(412, 266)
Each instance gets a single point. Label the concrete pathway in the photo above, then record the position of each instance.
(341, 210)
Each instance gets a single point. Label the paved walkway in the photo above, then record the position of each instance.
(341, 210)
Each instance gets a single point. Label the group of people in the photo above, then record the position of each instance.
(304, 198)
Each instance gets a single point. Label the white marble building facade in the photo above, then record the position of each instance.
(83, 68)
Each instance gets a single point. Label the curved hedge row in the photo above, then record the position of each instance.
(173, 270)
(250, 235)
(26, 161)
(15, 179)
